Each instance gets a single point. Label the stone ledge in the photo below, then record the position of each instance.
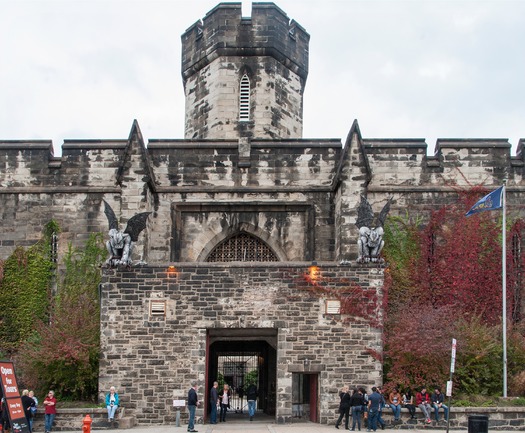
(499, 418)
(71, 419)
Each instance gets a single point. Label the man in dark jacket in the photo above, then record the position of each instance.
(214, 399)
(251, 396)
(438, 403)
(193, 402)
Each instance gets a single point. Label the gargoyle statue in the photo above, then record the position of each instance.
(370, 242)
(120, 244)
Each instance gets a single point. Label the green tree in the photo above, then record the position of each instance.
(64, 353)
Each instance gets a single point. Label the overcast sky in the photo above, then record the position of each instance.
(430, 69)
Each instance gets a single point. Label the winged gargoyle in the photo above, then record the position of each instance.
(370, 242)
(120, 243)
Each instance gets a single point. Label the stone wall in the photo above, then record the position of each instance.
(152, 359)
(499, 419)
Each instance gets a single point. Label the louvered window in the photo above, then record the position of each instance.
(244, 101)
(242, 248)
(158, 308)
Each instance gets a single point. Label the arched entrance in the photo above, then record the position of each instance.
(240, 357)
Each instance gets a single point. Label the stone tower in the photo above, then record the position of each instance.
(244, 77)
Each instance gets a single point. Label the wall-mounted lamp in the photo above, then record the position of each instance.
(314, 271)
(172, 269)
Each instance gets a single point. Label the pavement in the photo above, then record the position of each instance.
(266, 424)
(250, 427)
(263, 426)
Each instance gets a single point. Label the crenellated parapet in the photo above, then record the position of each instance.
(224, 32)
(405, 163)
(30, 166)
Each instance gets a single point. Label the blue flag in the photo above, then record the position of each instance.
(491, 201)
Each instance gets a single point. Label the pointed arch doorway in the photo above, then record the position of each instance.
(240, 357)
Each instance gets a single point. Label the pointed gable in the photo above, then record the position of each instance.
(135, 170)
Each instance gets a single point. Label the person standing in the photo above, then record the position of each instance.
(251, 396)
(374, 401)
(27, 404)
(344, 407)
(33, 408)
(193, 402)
(111, 403)
(224, 397)
(357, 401)
(214, 401)
(423, 403)
(4, 416)
(50, 404)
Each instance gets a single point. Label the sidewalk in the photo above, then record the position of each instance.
(255, 427)
(260, 427)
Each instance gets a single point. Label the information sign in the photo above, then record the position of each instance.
(11, 393)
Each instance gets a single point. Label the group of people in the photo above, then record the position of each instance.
(219, 402)
(30, 406)
(368, 407)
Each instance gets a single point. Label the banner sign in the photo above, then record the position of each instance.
(11, 393)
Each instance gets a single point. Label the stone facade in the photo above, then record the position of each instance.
(296, 198)
(154, 358)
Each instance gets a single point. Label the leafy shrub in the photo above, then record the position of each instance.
(25, 291)
(63, 354)
(517, 384)
(444, 281)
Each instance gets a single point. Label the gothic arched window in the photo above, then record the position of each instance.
(244, 99)
(242, 247)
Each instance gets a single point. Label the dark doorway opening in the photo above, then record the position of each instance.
(305, 396)
(240, 357)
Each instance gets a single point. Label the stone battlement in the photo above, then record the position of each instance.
(224, 32)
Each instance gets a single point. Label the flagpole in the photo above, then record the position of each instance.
(504, 288)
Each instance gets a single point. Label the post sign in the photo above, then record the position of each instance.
(453, 357)
(10, 391)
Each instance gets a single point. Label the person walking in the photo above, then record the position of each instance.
(251, 396)
(193, 402)
(374, 401)
(382, 405)
(214, 401)
(50, 404)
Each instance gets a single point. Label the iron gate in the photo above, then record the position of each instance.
(238, 370)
